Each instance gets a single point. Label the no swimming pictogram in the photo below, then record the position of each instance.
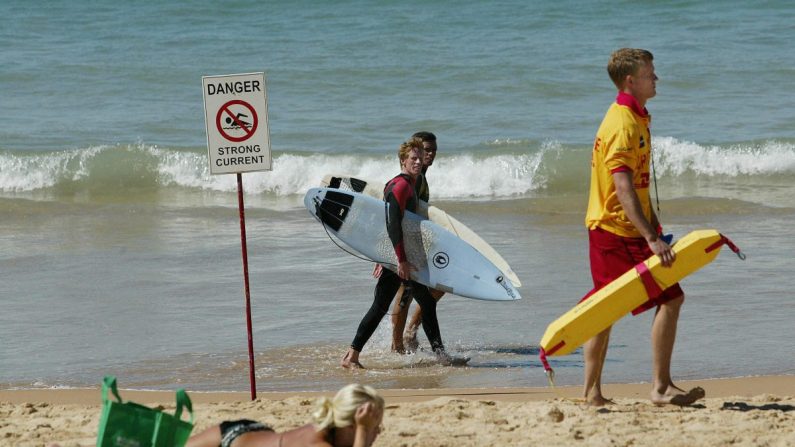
(236, 120)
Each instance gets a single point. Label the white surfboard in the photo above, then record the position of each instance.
(436, 215)
(443, 261)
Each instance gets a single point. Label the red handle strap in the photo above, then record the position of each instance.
(542, 354)
(729, 243)
(652, 289)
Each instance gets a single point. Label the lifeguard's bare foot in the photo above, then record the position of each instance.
(598, 401)
(675, 396)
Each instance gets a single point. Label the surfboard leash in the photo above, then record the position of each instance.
(325, 228)
(407, 291)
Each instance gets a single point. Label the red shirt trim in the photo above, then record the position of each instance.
(622, 168)
(625, 99)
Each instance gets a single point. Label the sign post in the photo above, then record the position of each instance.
(238, 140)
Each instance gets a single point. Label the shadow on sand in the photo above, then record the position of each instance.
(742, 406)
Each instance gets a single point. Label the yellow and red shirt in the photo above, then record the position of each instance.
(623, 143)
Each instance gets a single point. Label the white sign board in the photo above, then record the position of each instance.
(236, 119)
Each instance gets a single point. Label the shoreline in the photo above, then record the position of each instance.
(780, 385)
(747, 411)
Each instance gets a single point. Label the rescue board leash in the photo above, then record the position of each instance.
(729, 243)
(642, 271)
(550, 373)
(542, 355)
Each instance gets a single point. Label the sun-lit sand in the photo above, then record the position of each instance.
(754, 411)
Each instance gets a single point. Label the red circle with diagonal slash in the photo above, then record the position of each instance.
(247, 129)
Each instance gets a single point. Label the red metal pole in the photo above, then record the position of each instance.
(252, 379)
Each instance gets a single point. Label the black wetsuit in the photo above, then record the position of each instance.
(400, 195)
(422, 189)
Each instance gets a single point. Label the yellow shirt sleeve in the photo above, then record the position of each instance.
(619, 151)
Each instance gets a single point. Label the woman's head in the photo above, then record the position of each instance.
(340, 411)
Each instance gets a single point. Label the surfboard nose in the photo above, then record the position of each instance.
(309, 201)
(509, 288)
(490, 288)
(313, 200)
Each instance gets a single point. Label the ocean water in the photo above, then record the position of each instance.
(120, 254)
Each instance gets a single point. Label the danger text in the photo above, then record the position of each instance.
(233, 88)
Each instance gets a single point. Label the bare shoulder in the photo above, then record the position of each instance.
(305, 436)
(256, 438)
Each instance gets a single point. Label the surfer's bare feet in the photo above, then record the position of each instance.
(443, 357)
(351, 360)
(410, 340)
(411, 343)
(446, 359)
(676, 396)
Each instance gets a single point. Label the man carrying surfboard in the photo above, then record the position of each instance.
(623, 229)
(401, 342)
(400, 195)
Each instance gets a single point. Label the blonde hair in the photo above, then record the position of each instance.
(405, 149)
(340, 411)
(627, 61)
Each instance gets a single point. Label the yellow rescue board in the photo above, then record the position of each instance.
(627, 292)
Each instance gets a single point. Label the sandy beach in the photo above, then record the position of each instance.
(753, 411)
(121, 245)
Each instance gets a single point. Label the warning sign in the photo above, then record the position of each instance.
(236, 119)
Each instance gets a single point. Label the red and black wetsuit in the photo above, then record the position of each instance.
(400, 196)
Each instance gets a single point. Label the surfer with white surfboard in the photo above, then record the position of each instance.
(400, 196)
(401, 342)
(623, 228)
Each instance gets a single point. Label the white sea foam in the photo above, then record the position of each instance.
(675, 157)
(456, 176)
(466, 175)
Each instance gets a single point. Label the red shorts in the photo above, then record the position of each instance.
(612, 255)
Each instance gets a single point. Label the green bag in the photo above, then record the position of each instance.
(128, 424)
